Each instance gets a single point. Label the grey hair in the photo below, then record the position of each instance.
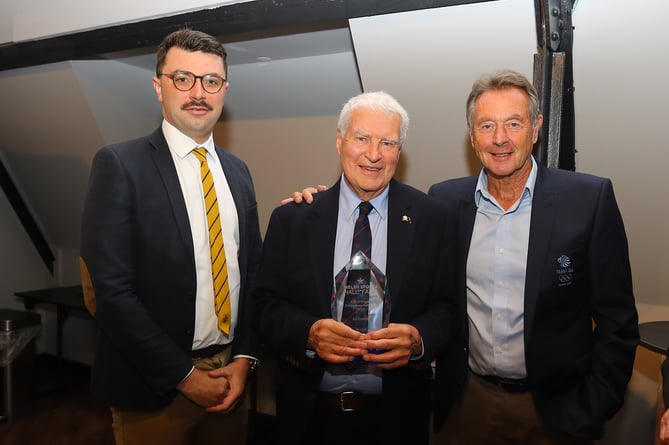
(502, 80)
(376, 100)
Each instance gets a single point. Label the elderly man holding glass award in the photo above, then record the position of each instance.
(354, 293)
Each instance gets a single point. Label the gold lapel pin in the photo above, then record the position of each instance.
(406, 218)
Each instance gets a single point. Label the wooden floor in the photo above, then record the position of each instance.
(63, 413)
(62, 410)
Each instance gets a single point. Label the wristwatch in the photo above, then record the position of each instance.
(253, 364)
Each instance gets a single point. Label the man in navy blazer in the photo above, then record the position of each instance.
(548, 320)
(162, 364)
(321, 396)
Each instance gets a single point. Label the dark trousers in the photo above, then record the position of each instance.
(384, 421)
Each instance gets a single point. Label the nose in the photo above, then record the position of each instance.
(197, 92)
(500, 136)
(374, 151)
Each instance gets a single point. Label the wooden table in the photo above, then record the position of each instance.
(654, 335)
(65, 299)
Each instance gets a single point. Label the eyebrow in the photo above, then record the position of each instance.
(362, 133)
(513, 116)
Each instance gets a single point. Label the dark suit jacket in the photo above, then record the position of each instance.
(578, 374)
(295, 284)
(137, 247)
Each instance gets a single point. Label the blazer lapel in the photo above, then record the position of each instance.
(231, 176)
(466, 218)
(541, 227)
(320, 239)
(401, 233)
(168, 174)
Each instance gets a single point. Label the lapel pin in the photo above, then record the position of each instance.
(406, 218)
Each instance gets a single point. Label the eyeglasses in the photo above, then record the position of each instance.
(185, 81)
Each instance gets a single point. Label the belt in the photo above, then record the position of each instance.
(506, 384)
(349, 401)
(209, 351)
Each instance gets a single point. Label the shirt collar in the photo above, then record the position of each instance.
(482, 185)
(349, 201)
(181, 144)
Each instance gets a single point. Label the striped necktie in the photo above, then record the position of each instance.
(355, 312)
(219, 269)
(362, 234)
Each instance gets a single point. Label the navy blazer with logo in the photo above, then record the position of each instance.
(580, 317)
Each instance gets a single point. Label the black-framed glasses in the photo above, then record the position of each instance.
(185, 81)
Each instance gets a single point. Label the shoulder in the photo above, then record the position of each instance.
(324, 201)
(411, 201)
(558, 174)
(399, 190)
(453, 188)
(134, 148)
(404, 190)
(568, 181)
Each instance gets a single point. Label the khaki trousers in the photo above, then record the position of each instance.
(491, 416)
(183, 422)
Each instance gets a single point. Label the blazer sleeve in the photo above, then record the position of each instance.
(110, 255)
(241, 184)
(582, 409)
(285, 297)
(616, 332)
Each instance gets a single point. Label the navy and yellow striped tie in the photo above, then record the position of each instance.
(219, 269)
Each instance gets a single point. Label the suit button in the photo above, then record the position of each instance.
(188, 333)
(189, 296)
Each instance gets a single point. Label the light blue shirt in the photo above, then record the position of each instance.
(367, 379)
(496, 267)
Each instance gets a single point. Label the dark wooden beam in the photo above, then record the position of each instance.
(223, 22)
(26, 218)
(554, 79)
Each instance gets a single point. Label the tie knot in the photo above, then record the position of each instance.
(365, 207)
(201, 153)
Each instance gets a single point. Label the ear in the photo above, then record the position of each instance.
(339, 142)
(537, 127)
(157, 88)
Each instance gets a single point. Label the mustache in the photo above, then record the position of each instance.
(197, 103)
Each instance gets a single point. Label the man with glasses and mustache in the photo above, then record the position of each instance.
(169, 251)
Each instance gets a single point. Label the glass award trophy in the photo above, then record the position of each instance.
(360, 299)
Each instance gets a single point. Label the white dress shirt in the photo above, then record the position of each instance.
(188, 171)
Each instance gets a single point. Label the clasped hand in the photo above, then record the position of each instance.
(218, 390)
(335, 342)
